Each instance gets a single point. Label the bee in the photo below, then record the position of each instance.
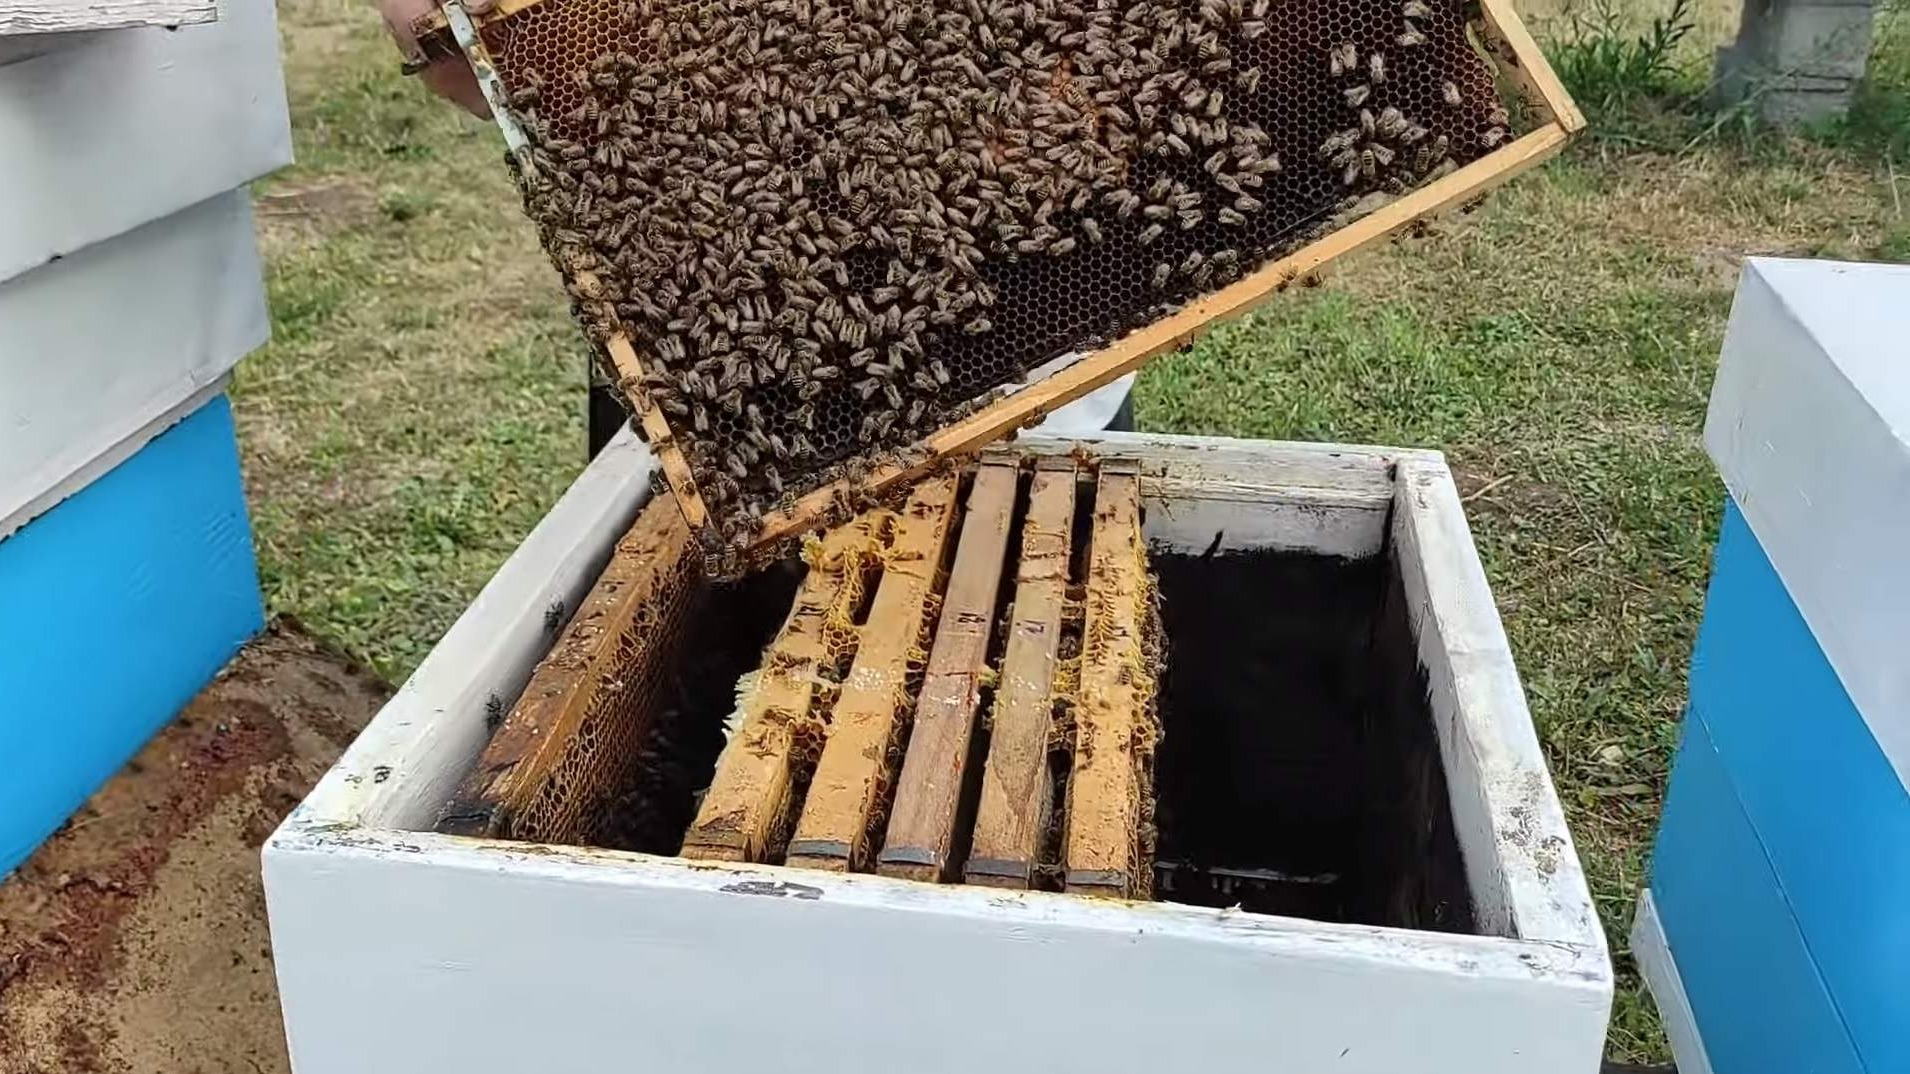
(1492, 137)
(1061, 247)
(938, 370)
(1356, 95)
(1415, 9)
(1411, 38)
(1189, 219)
(1247, 80)
(1376, 66)
(1368, 125)
(1090, 228)
(1382, 154)
(1343, 58)
(916, 409)
(1497, 116)
(1162, 273)
(1229, 217)
(977, 326)
(1350, 172)
(1158, 212)
(1391, 123)
(1149, 234)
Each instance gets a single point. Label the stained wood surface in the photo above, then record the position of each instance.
(1017, 795)
(856, 768)
(656, 430)
(1180, 329)
(928, 794)
(750, 792)
(66, 16)
(1113, 728)
(611, 653)
(1522, 61)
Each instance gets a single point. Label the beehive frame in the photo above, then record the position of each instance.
(1503, 38)
(391, 940)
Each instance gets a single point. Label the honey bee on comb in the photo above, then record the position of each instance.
(830, 226)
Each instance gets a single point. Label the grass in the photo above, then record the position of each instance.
(420, 405)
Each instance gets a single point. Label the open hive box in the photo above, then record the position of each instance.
(649, 814)
(825, 244)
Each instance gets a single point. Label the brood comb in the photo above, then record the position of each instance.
(823, 245)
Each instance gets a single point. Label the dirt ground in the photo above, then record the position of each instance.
(135, 940)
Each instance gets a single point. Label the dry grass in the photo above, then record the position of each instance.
(420, 406)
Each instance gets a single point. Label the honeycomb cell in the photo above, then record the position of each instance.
(833, 225)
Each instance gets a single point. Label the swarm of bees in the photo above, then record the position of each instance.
(829, 226)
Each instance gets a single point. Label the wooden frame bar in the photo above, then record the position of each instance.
(1017, 797)
(928, 794)
(750, 793)
(606, 662)
(1508, 44)
(856, 768)
(1113, 729)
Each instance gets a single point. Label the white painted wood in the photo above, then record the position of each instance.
(97, 349)
(113, 455)
(1660, 971)
(1331, 499)
(1520, 861)
(1810, 428)
(69, 16)
(422, 952)
(126, 127)
(392, 943)
(404, 766)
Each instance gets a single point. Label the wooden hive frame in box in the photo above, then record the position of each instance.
(1012, 608)
(1548, 108)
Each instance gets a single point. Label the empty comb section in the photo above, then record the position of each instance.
(1017, 795)
(922, 825)
(559, 760)
(784, 713)
(849, 792)
(1108, 842)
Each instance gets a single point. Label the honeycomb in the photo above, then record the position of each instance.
(831, 227)
(592, 739)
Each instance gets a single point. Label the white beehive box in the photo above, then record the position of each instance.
(400, 948)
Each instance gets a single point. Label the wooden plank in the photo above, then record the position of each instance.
(607, 664)
(68, 16)
(928, 793)
(1521, 60)
(656, 430)
(855, 771)
(750, 792)
(1017, 793)
(1181, 329)
(1114, 728)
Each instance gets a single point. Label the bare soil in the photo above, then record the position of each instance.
(135, 939)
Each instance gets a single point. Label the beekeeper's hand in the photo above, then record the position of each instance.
(448, 77)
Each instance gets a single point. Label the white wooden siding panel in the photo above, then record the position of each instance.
(98, 347)
(68, 16)
(126, 127)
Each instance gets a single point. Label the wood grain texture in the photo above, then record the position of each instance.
(605, 665)
(750, 793)
(1017, 793)
(1114, 730)
(1521, 60)
(656, 430)
(856, 768)
(928, 793)
(68, 16)
(1177, 330)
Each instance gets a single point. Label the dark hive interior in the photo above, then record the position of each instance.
(831, 226)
